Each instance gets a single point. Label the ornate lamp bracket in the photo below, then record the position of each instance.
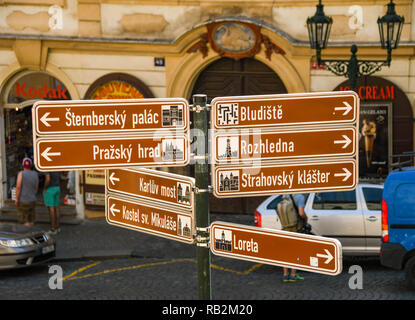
(364, 68)
(353, 68)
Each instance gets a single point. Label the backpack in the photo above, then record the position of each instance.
(287, 212)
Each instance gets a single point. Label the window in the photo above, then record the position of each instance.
(274, 203)
(345, 200)
(405, 201)
(373, 197)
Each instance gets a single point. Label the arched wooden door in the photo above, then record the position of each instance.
(228, 77)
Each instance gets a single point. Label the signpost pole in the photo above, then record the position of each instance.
(202, 212)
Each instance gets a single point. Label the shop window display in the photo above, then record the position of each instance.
(19, 142)
(22, 92)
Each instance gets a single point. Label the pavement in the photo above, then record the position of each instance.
(68, 215)
(85, 239)
(91, 249)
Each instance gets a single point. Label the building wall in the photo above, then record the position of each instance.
(79, 41)
(166, 22)
(84, 68)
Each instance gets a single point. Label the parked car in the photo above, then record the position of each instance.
(352, 217)
(398, 223)
(22, 246)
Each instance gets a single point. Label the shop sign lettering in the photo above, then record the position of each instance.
(117, 90)
(44, 92)
(374, 92)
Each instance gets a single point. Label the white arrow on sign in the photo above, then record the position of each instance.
(45, 119)
(346, 141)
(327, 256)
(45, 154)
(346, 174)
(113, 178)
(112, 209)
(347, 108)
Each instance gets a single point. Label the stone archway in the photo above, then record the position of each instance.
(182, 71)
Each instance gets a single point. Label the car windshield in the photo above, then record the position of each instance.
(344, 200)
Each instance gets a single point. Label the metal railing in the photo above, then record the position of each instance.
(401, 162)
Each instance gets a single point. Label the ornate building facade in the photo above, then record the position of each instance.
(99, 49)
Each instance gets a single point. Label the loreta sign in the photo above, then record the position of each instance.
(90, 134)
(275, 247)
(284, 143)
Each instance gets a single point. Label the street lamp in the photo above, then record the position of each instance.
(390, 28)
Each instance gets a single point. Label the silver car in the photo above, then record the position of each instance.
(22, 246)
(352, 217)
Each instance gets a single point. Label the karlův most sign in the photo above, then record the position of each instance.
(163, 187)
(285, 143)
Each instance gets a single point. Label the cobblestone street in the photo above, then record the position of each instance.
(100, 261)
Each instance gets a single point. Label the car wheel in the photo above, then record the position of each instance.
(410, 273)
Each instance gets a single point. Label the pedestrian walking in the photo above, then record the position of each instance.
(293, 218)
(26, 189)
(51, 195)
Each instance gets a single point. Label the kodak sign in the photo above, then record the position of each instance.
(45, 92)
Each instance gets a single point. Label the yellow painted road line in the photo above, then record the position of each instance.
(131, 268)
(80, 270)
(73, 276)
(257, 266)
(235, 271)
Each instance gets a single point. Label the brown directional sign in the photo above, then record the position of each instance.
(268, 179)
(107, 152)
(249, 145)
(285, 109)
(281, 248)
(109, 116)
(282, 137)
(149, 218)
(152, 185)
